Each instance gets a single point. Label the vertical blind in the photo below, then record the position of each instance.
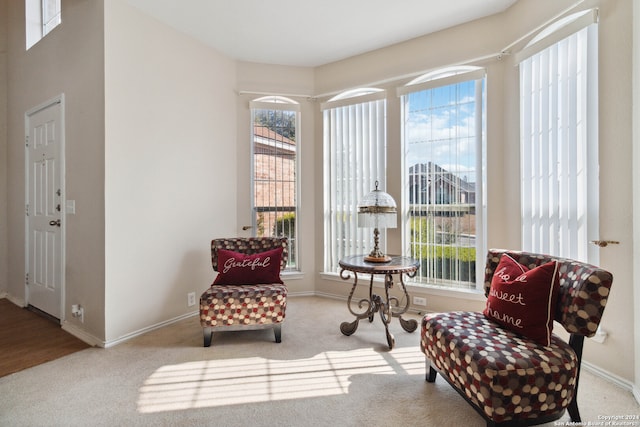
(558, 144)
(354, 159)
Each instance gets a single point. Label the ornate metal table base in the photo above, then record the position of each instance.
(389, 306)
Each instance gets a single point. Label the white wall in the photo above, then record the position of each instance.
(636, 186)
(170, 154)
(616, 195)
(70, 61)
(3, 148)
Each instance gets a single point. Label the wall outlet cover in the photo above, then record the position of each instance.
(420, 301)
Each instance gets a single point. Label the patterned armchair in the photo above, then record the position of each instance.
(232, 307)
(508, 378)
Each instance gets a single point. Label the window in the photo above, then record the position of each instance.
(42, 16)
(354, 159)
(558, 141)
(443, 175)
(275, 145)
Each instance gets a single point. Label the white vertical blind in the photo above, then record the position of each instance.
(354, 159)
(558, 158)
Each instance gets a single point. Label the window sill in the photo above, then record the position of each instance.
(292, 275)
(466, 294)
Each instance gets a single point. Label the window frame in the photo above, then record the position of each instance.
(279, 103)
(439, 79)
(35, 26)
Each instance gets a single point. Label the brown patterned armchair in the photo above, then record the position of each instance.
(508, 378)
(239, 306)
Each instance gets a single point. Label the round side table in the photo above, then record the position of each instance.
(387, 306)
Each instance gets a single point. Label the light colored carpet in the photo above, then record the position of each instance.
(315, 377)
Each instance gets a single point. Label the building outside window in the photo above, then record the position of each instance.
(275, 150)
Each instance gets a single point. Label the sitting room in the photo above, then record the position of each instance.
(393, 150)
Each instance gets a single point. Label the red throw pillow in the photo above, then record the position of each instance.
(524, 300)
(240, 269)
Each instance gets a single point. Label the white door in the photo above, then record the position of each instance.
(44, 210)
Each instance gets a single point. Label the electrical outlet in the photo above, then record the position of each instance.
(191, 299)
(420, 301)
(78, 311)
(600, 335)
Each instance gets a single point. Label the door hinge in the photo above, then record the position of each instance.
(26, 140)
(26, 209)
(26, 279)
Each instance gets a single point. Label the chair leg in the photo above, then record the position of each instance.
(576, 342)
(573, 410)
(207, 333)
(431, 375)
(277, 331)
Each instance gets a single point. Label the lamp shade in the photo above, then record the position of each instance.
(378, 210)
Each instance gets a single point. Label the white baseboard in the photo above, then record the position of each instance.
(612, 378)
(330, 296)
(17, 301)
(305, 294)
(81, 334)
(111, 343)
(97, 342)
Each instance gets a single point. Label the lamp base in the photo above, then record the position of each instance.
(383, 258)
(376, 254)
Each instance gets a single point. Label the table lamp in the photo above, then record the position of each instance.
(378, 210)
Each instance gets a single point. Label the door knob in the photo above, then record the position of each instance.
(55, 223)
(605, 243)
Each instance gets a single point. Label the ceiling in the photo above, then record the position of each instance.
(311, 33)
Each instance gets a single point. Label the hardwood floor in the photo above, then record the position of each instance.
(28, 338)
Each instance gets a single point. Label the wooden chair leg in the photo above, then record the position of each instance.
(207, 333)
(277, 331)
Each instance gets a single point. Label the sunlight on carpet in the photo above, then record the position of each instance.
(213, 383)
